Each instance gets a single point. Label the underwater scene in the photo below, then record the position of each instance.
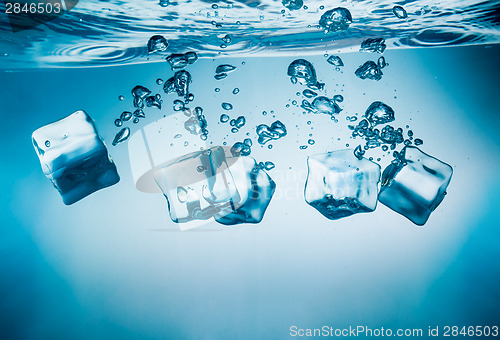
(249, 169)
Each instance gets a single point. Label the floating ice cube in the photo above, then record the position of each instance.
(74, 157)
(195, 195)
(339, 184)
(255, 189)
(337, 19)
(415, 184)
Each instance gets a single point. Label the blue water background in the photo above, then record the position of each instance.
(113, 267)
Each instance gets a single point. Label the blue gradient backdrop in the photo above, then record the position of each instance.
(112, 266)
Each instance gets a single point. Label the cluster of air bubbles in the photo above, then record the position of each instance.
(226, 40)
(293, 4)
(178, 105)
(157, 43)
(242, 148)
(335, 61)
(237, 123)
(379, 113)
(373, 45)
(302, 71)
(266, 133)
(140, 93)
(222, 70)
(197, 124)
(179, 61)
(399, 12)
(179, 84)
(337, 19)
(268, 165)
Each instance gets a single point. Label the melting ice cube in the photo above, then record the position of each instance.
(256, 190)
(74, 157)
(415, 184)
(339, 184)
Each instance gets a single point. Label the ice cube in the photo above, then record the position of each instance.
(415, 184)
(256, 190)
(194, 195)
(74, 157)
(339, 184)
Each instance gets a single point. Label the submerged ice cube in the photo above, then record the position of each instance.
(74, 157)
(339, 184)
(193, 194)
(255, 189)
(337, 19)
(414, 184)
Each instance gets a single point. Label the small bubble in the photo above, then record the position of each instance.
(264, 113)
(135, 121)
(186, 143)
(118, 122)
(309, 122)
(227, 106)
(159, 81)
(236, 90)
(270, 146)
(311, 142)
(294, 102)
(215, 6)
(120, 97)
(418, 141)
(177, 136)
(217, 89)
(47, 143)
(234, 130)
(303, 147)
(224, 118)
